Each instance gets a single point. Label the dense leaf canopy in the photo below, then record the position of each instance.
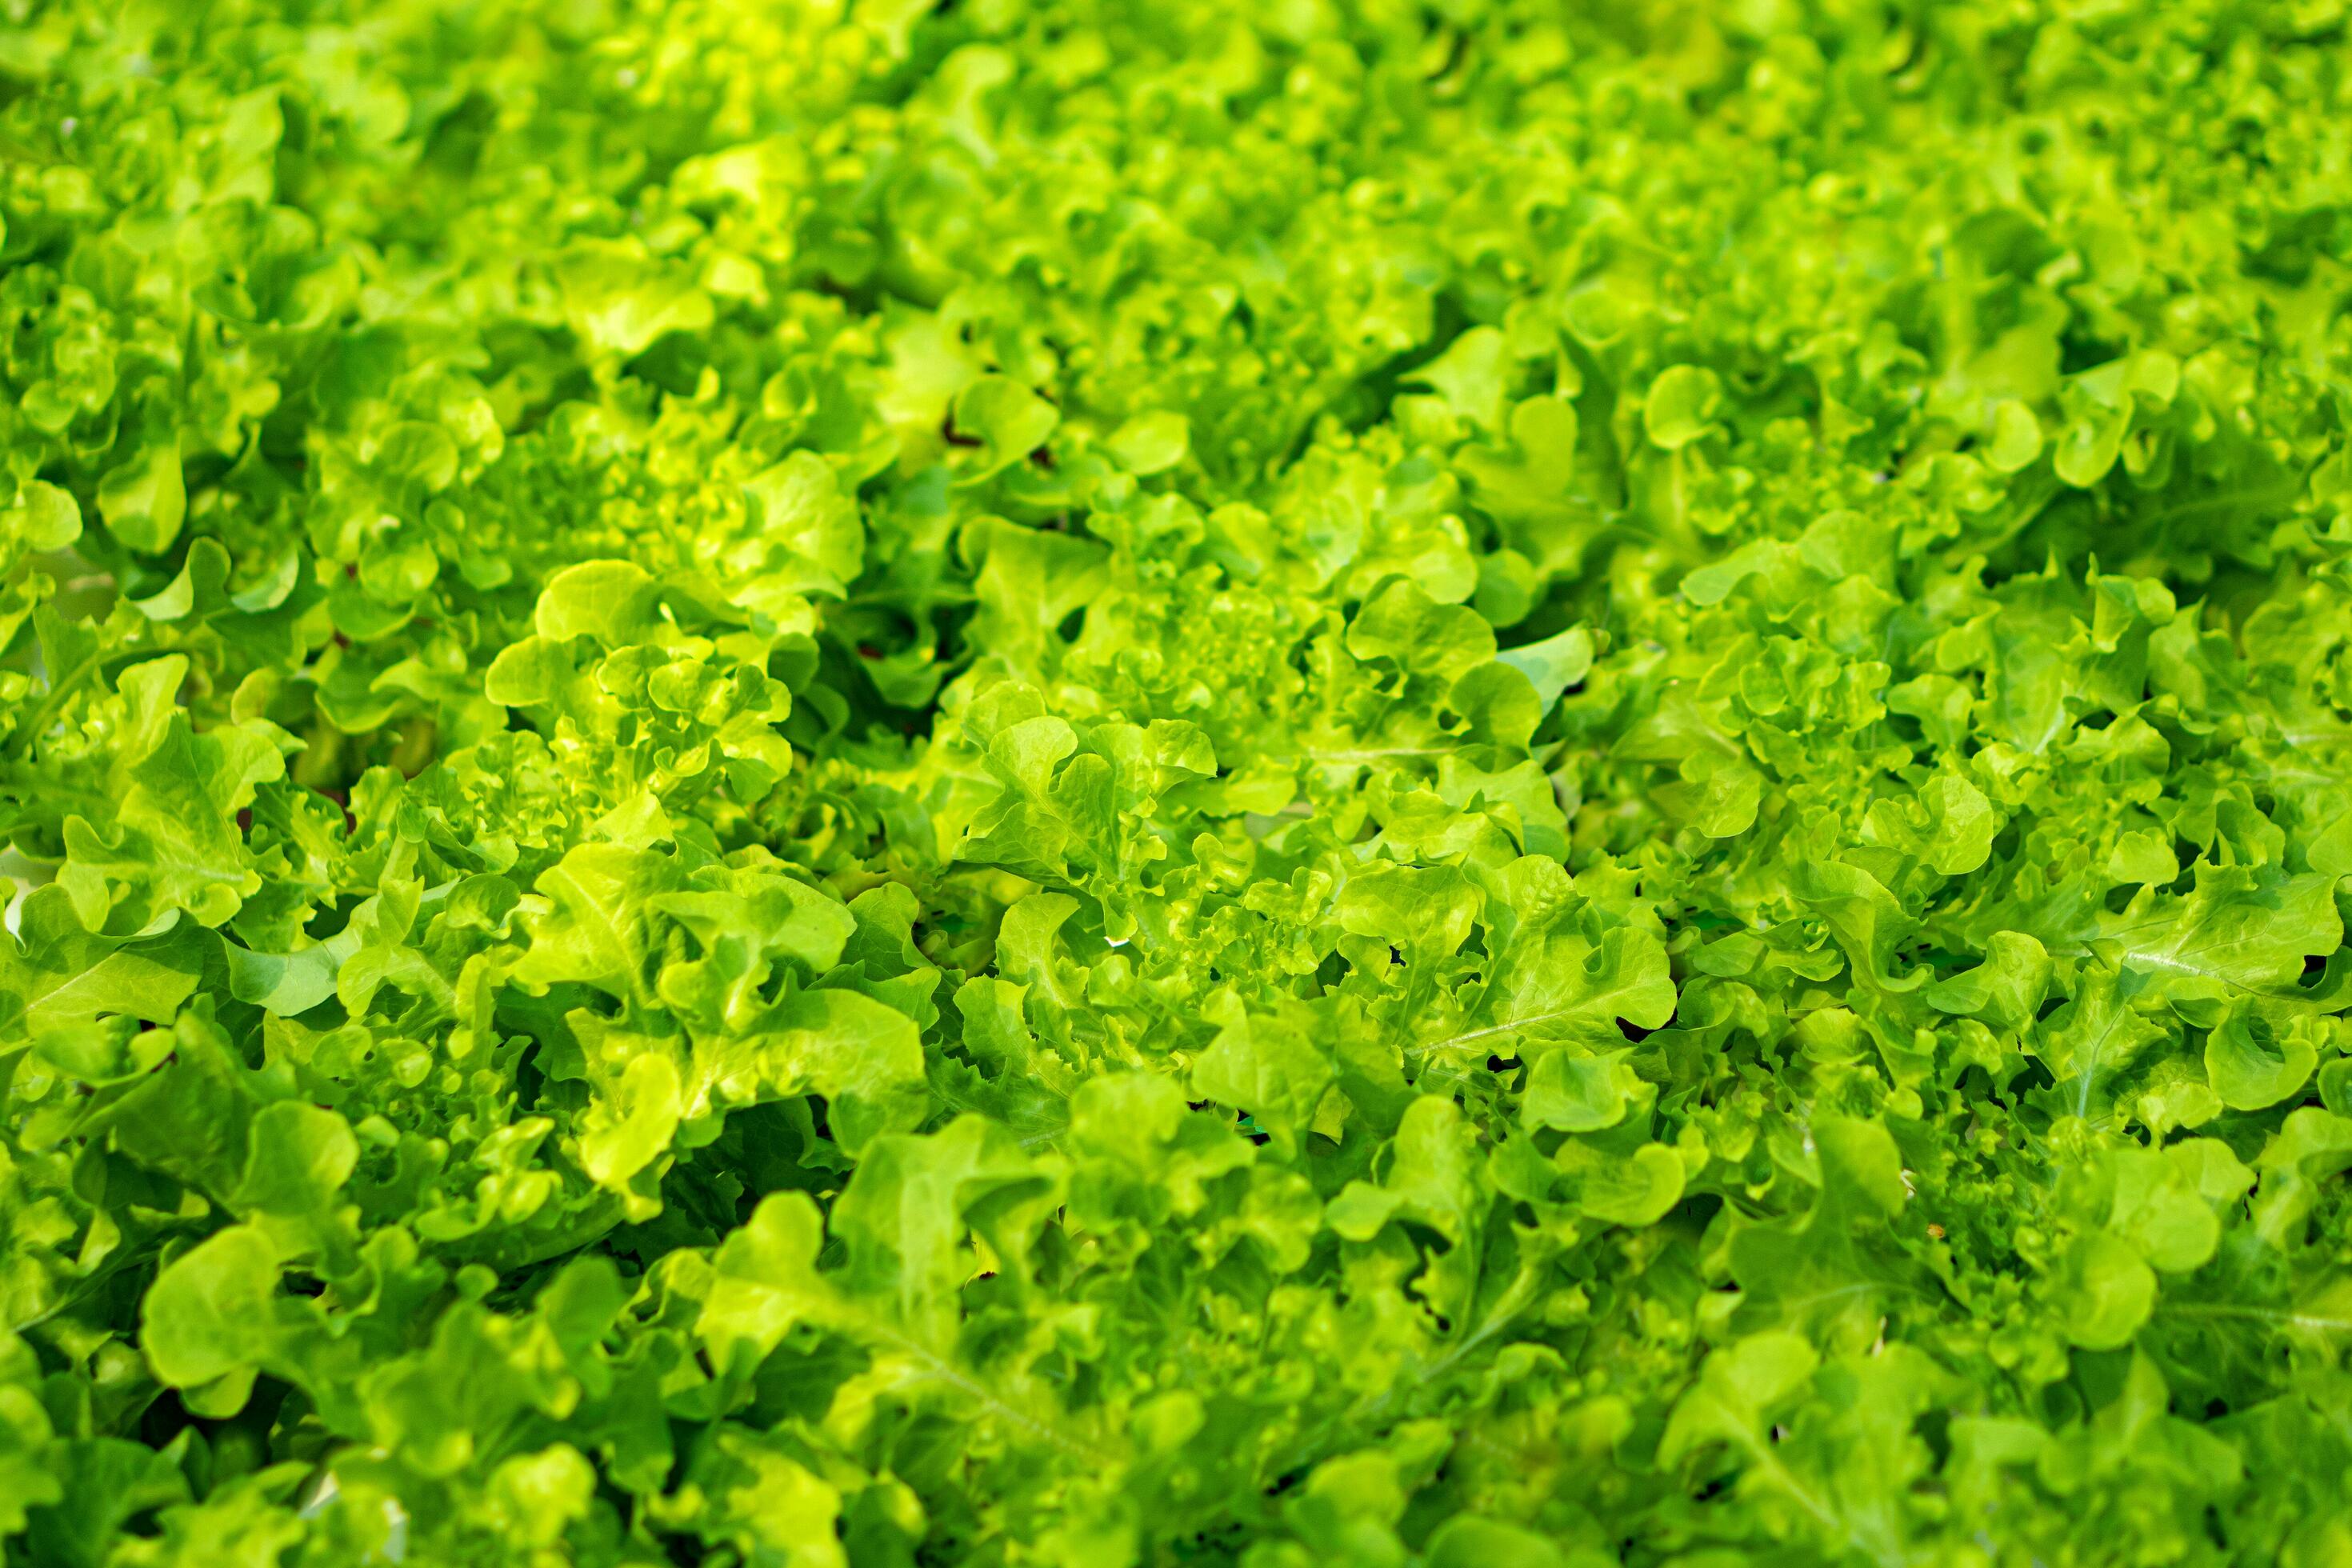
(1100, 784)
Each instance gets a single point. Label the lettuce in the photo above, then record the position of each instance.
(1103, 785)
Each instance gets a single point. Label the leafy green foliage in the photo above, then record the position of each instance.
(1099, 784)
